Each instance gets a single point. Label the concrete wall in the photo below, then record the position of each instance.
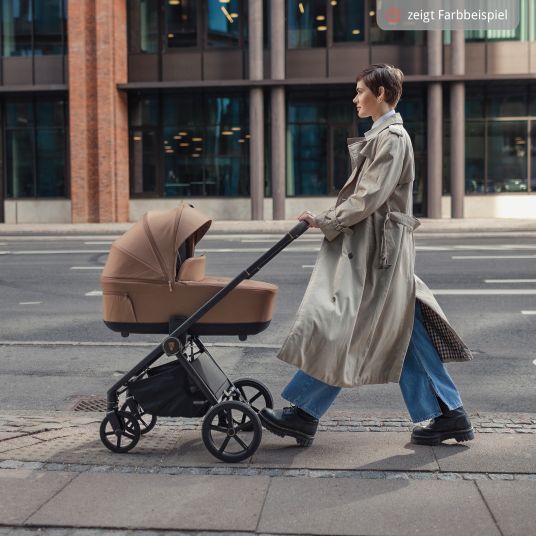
(37, 211)
(495, 206)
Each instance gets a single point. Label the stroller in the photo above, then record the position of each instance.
(153, 283)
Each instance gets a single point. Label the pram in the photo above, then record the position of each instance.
(153, 283)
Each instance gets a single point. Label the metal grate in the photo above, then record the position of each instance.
(89, 403)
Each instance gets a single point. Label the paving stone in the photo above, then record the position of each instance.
(381, 451)
(507, 453)
(24, 491)
(17, 443)
(512, 504)
(375, 507)
(157, 502)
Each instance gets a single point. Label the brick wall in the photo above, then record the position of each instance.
(98, 115)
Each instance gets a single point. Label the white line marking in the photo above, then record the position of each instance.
(509, 280)
(258, 250)
(491, 247)
(484, 292)
(53, 251)
(122, 344)
(472, 257)
(94, 293)
(528, 312)
(259, 241)
(87, 267)
(3, 243)
(308, 265)
(29, 303)
(106, 243)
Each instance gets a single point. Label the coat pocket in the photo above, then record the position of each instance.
(392, 229)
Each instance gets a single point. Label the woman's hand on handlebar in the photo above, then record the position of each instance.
(309, 217)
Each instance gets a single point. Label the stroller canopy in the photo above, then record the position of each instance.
(148, 251)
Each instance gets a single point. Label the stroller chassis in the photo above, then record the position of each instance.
(122, 428)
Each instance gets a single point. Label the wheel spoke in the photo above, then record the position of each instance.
(242, 392)
(255, 397)
(109, 433)
(140, 418)
(240, 442)
(130, 436)
(230, 421)
(218, 428)
(244, 426)
(224, 444)
(118, 442)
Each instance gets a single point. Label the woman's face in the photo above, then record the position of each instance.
(366, 102)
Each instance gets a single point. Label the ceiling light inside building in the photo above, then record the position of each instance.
(174, 2)
(199, 148)
(136, 138)
(196, 155)
(183, 133)
(226, 13)
(234, 15)
(301, 8)
(170, 35)
(321, 17)
(236, 128)
(177, 137)
(241, 140)
(197, 139)
(227, 133)
(183, 144)
(248, 135)
(372, 13)
(322, 28)
(356, 32)
(225, 1)
(333, 2)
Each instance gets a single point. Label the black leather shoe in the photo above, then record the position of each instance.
(291, 421)
(453, 424)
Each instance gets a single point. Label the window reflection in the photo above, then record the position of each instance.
(306, 23)
(35, 136)
(224, 23)
(348, 20)
(143, 26)
(181, 23)
(203, 149)
(507, 156)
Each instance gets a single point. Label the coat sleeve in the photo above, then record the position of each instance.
(373, 189)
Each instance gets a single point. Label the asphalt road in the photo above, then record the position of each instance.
(54, 346)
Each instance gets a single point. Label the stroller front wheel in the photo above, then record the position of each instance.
(231, 431)
(122, 435)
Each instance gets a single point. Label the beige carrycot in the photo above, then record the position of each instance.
(152, 281)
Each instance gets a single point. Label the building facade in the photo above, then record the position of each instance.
(110, 108)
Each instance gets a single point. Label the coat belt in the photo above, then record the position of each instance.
(387, 240)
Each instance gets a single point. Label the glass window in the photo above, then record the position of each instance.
(533, 156)
(306, 23)
(224, 23)
(506, 100)
(348, 20)
(143, 26)
(520, 33)
(48, 27)
(181, 23)
(17, 24)
(475, 151)
(203, 149)
(143, 160)
(35, 150)
(507, 156)
(144, 111)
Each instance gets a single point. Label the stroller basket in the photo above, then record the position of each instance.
(169, 392)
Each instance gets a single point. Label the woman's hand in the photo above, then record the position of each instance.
(309, 217)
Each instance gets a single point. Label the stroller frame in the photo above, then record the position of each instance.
(219, 391)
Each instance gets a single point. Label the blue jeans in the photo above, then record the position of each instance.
(423, 377)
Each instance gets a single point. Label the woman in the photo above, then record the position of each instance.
(365, 317)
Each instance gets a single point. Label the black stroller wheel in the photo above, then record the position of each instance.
(123, 439)
(231, 431)
(146, 421)
(255, 393)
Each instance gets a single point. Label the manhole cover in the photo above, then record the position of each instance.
(89, 403)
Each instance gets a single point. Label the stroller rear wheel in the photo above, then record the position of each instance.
(122, 435)
(231, 431)
(255, 393)
(146, 421)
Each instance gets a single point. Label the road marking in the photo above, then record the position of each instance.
(94, 293)
(456, 257)
(259, 241)
(105, 243)
(308, 265)
(528, 312)
(484, 292)
(29, 303)
(296, 249)
(509, 280)
(87, 267)
(54, 251)
(490, 247)
(143, 344)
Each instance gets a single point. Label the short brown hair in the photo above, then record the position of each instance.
(388, 76)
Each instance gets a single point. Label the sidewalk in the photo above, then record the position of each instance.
(361, 476)
(482, 227)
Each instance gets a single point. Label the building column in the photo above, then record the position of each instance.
(98, 113)
(278, 108)
(435, 125)
(457, 127)
(256, 110)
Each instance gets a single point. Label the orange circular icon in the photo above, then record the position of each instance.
(393, 15)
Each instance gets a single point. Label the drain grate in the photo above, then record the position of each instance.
(89, 403)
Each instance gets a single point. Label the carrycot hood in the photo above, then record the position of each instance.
(148, 250)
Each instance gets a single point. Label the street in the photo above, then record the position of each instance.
(54, 347)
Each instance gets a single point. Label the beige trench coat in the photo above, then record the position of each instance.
(355, 321)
